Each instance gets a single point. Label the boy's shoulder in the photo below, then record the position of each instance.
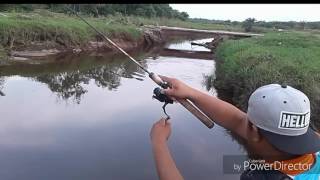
(313, 173)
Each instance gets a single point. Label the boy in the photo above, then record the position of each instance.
(275, 128)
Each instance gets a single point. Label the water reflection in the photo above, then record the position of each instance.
(71, 84)
(1, 86)
(187, 45)
(67, 75)
(208, 81)
(67, 79)
(66, 85)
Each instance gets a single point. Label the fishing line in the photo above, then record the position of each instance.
(158, 92)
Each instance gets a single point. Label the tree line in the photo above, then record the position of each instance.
(250, 23)
(155, 10)
(96, 10)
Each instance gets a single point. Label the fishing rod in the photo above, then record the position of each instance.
(158, 92)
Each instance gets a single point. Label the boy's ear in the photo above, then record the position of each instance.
(256, 135)
(253, 133)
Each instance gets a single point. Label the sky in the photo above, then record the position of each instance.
(261, 12)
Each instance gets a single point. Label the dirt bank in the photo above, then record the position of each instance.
(150, 36)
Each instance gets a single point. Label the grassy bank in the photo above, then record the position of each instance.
(286, 57)
(23, 29)
(41, 25)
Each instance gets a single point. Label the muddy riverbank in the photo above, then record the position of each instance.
(47, 48)
(151, 37)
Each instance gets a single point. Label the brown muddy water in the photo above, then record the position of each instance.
(88, 116)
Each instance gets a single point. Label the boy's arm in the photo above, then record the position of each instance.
(165, 165)
(223, 113)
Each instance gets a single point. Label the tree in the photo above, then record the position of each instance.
(302, 25)
(184, 16)
(150, 12)
(17, 7)
(146, 10)
(248, 24)
(93, 8)
(107, 9)
(58, 8)
(140, 12)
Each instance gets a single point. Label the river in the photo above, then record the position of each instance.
(89, 117)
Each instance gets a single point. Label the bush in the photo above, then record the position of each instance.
(248, 24)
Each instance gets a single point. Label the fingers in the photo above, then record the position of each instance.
(168, 123)
(170, 81)
(165, 78)
(169, 92)
(163, 122)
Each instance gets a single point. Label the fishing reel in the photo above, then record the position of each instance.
(160, 96)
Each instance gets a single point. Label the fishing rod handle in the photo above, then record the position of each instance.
(196, 112)
(156, 79)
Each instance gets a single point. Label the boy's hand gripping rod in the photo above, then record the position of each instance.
(184, 102)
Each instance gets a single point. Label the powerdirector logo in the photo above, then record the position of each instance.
(237, 164)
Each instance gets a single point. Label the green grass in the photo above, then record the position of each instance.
(3, 56)
(48, 26)
(286, 57)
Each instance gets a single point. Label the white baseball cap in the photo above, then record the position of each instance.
(282, 114)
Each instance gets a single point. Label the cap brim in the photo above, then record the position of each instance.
(303, 144)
